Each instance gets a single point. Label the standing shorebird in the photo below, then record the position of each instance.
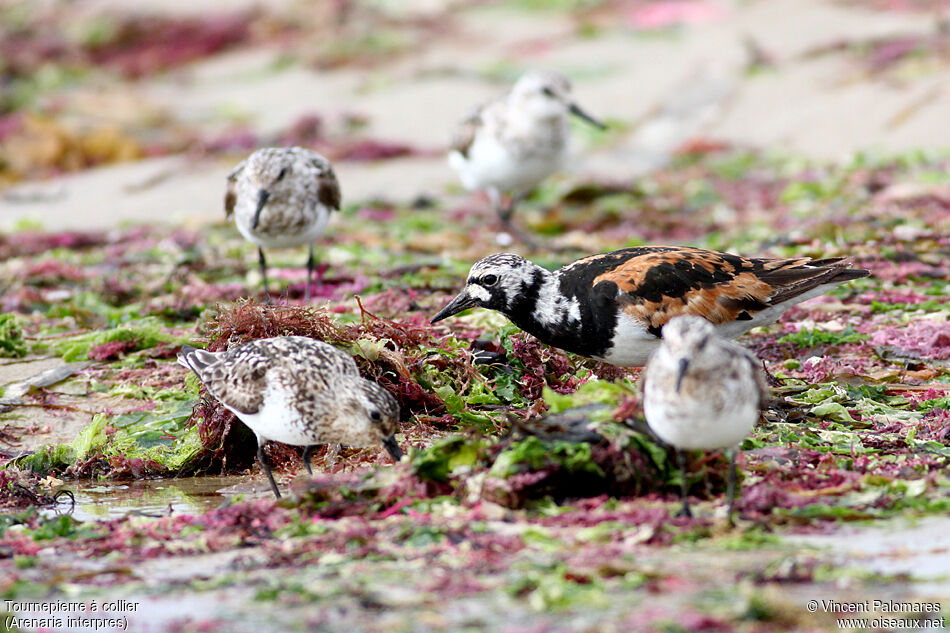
(282, 197)
(612, 306)
(702, 392)
(298, 391)
(509, 145)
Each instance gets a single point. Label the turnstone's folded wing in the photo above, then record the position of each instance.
(654, 284)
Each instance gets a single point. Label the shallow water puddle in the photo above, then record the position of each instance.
(915, 549)
(147, 497)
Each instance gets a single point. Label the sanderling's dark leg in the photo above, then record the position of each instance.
(505, 212)
(306, 294)
(306, 458)
(681, 458)
(263, 262)
(266, 467)
(731, 486)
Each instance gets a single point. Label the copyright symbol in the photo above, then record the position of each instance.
(812, 606)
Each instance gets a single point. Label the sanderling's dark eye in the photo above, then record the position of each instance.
(548, 92)
(489, 280)
(283, 172)
(375, 416)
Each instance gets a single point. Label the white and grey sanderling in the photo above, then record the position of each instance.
(512, 143)
(282, 197)
(702, 392)
(298, 391)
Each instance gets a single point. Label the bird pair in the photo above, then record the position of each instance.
(282, 197)
(701, 391)
(673, 306)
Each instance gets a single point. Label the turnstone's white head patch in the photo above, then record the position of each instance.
(493, 282)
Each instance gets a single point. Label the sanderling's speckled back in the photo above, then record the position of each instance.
(512, 143)
(282, 197)
(298, 391)
(701, 391)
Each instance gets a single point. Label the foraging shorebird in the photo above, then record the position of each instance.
(298, 391)
(612, 306)
(509, 145)
(702, 392)
(282, 197)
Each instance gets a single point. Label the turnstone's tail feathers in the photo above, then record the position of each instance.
(796, 277)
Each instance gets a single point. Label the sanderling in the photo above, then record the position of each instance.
(701, 391)
(282, 197)
(509, 145)
(298, 391)
(611, 306)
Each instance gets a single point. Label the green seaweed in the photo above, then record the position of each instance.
(140, 334)
(12, 344)
(812, 337)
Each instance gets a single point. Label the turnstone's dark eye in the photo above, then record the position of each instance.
(489, 280)
(375, 416)
(283, 172)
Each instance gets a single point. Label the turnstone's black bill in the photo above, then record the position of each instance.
(512, 143)
(298, 391)
(282, 197)
(612, 306)
(701, 391)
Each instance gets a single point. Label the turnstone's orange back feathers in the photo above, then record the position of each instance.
(656, 283)
(613, 306)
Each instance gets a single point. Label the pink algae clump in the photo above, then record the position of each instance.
(929, 339)
(110, 350)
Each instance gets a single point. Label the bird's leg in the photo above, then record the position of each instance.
(266, 467)
(731, 486)
(681, 458)
(504, 214)
(306, 458)
(263, 262)
(306, 294)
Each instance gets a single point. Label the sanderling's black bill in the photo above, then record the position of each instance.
(576, 111)
(262, 197)
(390, 445)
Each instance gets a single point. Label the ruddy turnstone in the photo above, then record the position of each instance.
(298, 391)
(612, 306)
(701, 391)
(282, 197)
(512, 143)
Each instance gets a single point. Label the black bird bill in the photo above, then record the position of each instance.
(262, 197)
(390, 445)
(463, 301)
(576, 111)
